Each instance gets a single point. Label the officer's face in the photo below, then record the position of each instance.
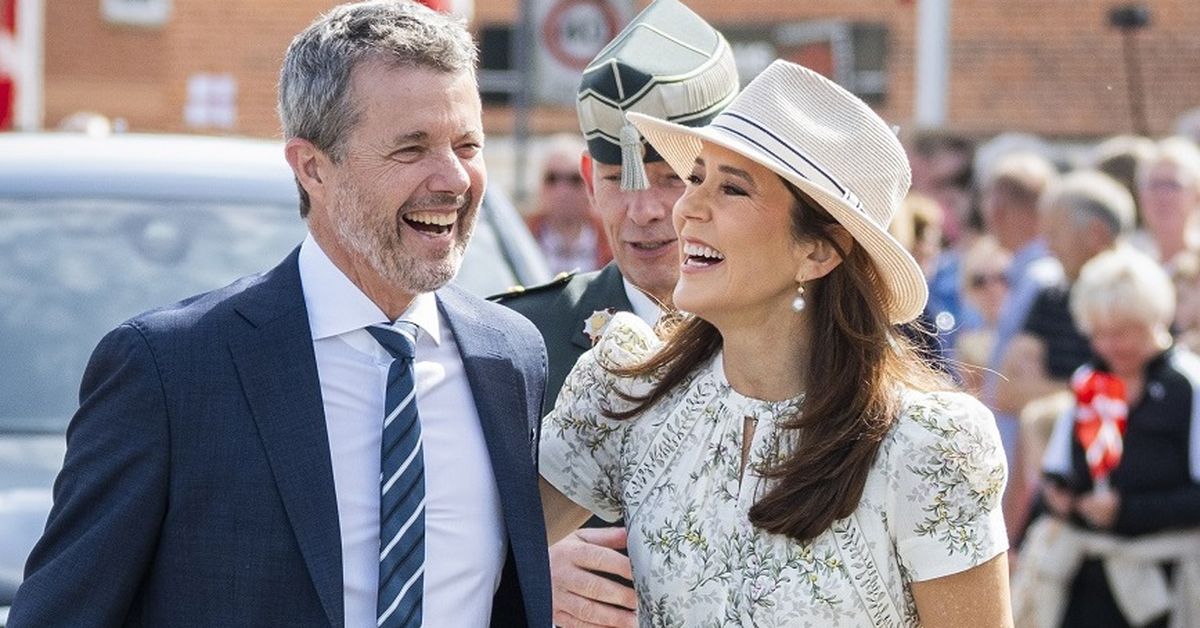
(638, 223)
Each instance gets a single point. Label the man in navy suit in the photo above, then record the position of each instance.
(228, 465)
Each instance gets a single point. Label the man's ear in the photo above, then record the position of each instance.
(310, 165)
(589, 178)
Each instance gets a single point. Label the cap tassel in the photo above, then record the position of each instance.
(633, 171)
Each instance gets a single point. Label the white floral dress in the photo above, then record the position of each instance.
(930, 508)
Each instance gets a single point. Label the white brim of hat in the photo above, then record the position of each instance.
(680, 145)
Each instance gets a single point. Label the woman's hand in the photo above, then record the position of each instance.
(582, 597)
(1099, 508)
(1059, 501)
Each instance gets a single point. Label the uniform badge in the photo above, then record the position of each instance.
(594, 325)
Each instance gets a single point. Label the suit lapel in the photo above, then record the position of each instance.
(607, 291)
(277, 367)
(499, 393)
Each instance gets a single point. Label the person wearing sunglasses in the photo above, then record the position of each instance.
(563, 224)
(1168, 194)
(985, 269)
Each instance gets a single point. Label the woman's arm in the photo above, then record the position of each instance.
(977, 597)
(563, 516)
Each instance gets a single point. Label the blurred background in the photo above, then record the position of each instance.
(1066, 71)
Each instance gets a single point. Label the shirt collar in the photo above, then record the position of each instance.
(645, 308)
(1153, 368)
(336, 306)
(423, 312)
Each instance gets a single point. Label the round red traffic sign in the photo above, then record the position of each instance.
(574, 31)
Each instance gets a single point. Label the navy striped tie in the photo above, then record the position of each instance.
(402, 486)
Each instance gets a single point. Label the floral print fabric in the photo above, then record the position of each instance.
(930, 508)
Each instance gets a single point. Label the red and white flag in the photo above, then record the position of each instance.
(1101, 414)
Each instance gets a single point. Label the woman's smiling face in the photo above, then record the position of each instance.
(739, 253)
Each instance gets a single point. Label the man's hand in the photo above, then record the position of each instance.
(582, 597)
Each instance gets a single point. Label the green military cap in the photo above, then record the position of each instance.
(667, 63)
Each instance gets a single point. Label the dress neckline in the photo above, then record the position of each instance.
(717, 367)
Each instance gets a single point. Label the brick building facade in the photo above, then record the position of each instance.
(1051, 67)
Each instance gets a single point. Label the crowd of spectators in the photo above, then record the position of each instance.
(1048, 267)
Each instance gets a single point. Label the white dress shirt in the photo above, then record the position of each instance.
(465, 537)
(645, 307)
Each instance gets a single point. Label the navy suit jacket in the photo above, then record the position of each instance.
(197, 488)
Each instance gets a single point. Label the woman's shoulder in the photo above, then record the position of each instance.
(941, 411)
(945, 423)
(624, 341)
(945, 471)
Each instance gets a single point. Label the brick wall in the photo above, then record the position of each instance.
(1051, 67)
(117, 71)
(140, 74)
(1055, 67)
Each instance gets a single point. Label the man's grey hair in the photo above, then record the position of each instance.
(1093, 195)
(315, 99)
(1177, 151)
(1024, 176)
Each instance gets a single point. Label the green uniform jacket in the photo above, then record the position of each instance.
(559, 308)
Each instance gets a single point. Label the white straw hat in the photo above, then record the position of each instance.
(827, 143)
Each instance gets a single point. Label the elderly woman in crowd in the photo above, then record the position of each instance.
(1121, 543)
(783, 458)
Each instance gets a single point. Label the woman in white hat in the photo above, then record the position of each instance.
(783, 458)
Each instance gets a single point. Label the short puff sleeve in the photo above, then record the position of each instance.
(581, 448)
(948, 470)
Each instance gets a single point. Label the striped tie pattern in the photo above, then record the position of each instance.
(402, 486)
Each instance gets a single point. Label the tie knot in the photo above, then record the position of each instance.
(399, 339)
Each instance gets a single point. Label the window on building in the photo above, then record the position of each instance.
(497, 80)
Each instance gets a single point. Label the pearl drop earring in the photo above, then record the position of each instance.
(798, 303)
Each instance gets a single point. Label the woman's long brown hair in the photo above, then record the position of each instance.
(853, 383)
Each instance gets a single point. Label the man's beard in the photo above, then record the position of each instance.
(376, 238)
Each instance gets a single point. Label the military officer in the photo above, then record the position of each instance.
(671, 64)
